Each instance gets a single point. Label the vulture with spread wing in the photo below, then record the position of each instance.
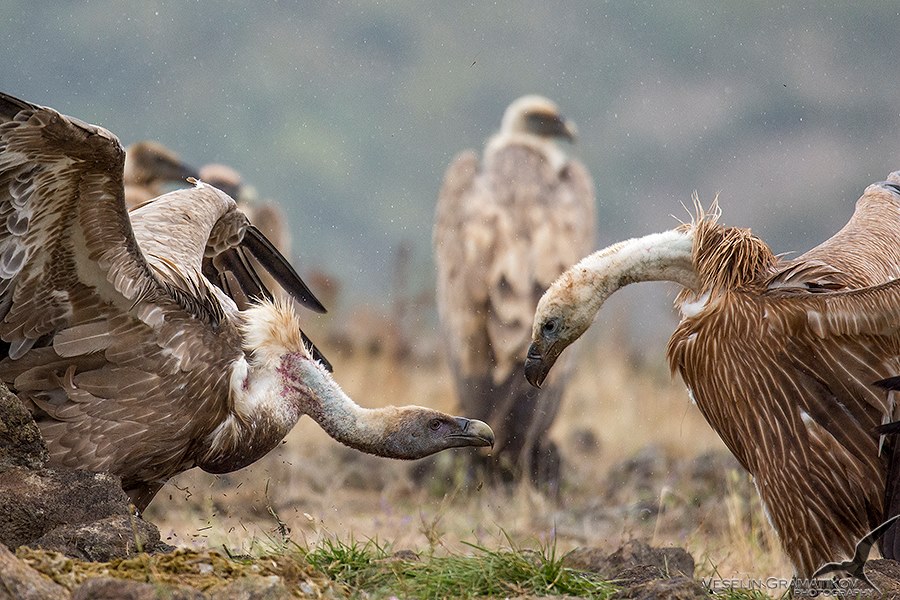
(781, 357)
(120, 339)
(506, 226)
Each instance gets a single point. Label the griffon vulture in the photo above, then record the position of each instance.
(131, 359)
(780, 357)
(505, 227)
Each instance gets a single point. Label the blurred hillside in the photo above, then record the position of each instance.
(348, 112)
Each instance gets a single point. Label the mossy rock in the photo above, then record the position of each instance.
(21, 444)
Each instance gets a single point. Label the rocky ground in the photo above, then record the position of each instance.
(76, 536)
(72, 534)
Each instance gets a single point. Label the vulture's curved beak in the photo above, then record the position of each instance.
(473, 432)
(538, 364)
(569, 131)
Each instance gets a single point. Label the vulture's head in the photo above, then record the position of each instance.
(536, 115)
(562, 315)
(417, 432)
(223, 177)
(150, 162)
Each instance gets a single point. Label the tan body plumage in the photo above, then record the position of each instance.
(133, 361)
(780, 357)
(505, 228)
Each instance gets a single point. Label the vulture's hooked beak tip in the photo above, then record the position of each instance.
(477, 432)
(481, 433)
(536, 368)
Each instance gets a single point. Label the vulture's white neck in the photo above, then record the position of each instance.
(309, 385)
(657, 257)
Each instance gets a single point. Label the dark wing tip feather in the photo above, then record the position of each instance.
(10, 106)
(893, 186)
(280, 269)
(891, 383)
(236, 261)
(888, 428)
(316, 353)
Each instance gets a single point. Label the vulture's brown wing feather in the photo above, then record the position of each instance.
(866, 251)
(857, 339)
(101, 340)
(786, 379)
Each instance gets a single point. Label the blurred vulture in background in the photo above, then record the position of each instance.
(505, 227)
(781, 357)
(148, 167)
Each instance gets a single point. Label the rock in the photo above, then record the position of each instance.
(632, 576)
(82, 514)
(18, 581)
(638, 477)
(253, 588)
(670, 561)
(85, 515)
(103, 540)
(706, 476)
(109, 588)
(21, 444)
(405, 555)
(676, 588)
(36, 502)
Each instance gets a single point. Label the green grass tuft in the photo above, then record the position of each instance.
(484, 573)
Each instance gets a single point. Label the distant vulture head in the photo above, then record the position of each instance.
(149, 163)
(223, 177)
(538, 116)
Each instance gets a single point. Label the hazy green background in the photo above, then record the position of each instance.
(348, 112)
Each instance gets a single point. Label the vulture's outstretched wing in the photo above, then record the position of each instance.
(96, 332)
(65, 224)
(866, 251)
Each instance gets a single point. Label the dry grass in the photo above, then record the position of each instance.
(312, 489)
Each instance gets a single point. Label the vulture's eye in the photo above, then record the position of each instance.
(434, 424)
(551, 326)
